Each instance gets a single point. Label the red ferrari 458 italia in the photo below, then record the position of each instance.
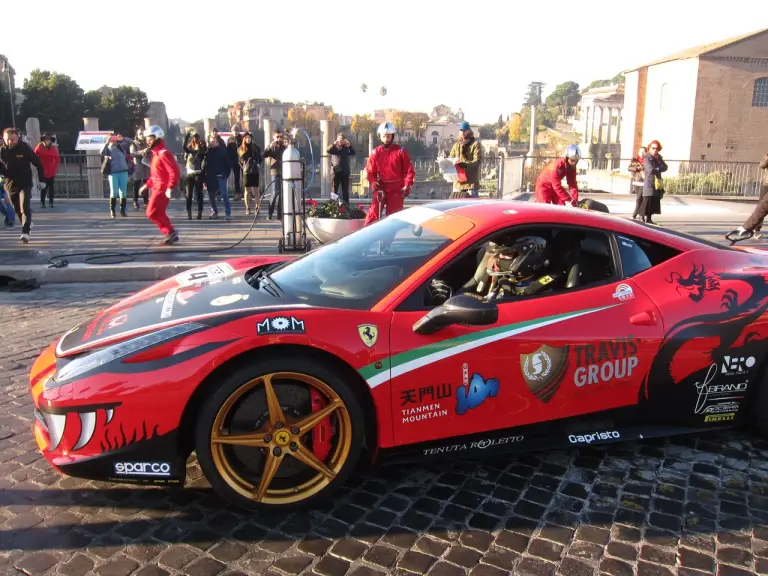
(458, 328)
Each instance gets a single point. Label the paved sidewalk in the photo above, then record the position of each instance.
(76, 226)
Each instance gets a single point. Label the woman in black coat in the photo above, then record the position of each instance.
(653, 185)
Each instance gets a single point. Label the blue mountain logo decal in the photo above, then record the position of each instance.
(475, 393)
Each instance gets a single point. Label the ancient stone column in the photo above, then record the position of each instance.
(93, 163)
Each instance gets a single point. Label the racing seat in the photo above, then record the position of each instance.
(569, 257)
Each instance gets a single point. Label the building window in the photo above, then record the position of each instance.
(435, 135)
(664, 96)
(760, 93)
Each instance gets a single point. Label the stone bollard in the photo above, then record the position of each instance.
(325, 162)
(93, 163)
(33, 139)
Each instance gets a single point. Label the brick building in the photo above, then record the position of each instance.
(707, 103)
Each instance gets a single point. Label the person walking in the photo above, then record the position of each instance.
(194, 155)
(653, 185)
(340, 151)
(164, 175)
(141, 155)
(755, 221)
(274, 154)
(216, 169)
(115, 165)
(249, 161)
(16, 161)
(467, 155)
(638, 177)
(233, 145)
(48, 153)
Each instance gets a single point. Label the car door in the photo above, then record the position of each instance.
(546, 357)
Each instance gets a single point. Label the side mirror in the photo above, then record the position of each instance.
(466, 309)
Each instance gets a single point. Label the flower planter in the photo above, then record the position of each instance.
(330, 229)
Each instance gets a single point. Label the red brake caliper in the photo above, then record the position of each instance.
(321, 434)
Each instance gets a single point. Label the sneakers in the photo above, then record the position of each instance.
(172, 238)
(24, 238)
(757, 235)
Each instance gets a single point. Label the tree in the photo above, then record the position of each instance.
(123, 110)
(617, 79)
(565, 96)
(56, 100)
(399, 120)
(361, 124)
(488, 131)
(513, 128)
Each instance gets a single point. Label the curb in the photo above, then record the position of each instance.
(94, 273)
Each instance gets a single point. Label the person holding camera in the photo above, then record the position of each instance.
(274, 153)
(194, 155)
(48, 153)
(340, 152)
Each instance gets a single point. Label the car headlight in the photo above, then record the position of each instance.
(79, 366)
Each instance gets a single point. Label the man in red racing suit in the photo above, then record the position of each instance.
(164, 176)
(549, 188)
(390, 173)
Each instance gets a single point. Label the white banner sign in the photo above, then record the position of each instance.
(92, 140)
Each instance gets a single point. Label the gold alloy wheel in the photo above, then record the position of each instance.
(283, 436)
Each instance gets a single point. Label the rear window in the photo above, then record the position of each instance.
(638, 255)
(705, 242)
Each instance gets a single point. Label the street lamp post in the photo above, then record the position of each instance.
(5, 68)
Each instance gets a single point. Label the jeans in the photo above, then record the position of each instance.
(194, 188)
(218, 184)
(6, 208)
(118, 183)
(137, 184)
(341, 179)
(21, 205)
(278, 197)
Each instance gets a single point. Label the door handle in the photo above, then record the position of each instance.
(643, 319)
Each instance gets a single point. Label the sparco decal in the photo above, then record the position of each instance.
(143, 468)
(544, 369)
(594, 437)
(608, 361)
(719, 394)
(476, 445)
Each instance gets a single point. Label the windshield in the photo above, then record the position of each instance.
(358, 270)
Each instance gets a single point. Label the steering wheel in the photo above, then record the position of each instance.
(439, 291)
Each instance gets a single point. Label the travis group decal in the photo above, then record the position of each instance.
(608, 362)
(544, 369)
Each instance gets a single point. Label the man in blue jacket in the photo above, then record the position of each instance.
(216, 169)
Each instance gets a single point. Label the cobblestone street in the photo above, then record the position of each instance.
(687, 505)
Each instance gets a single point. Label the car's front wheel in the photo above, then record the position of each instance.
(280, 433)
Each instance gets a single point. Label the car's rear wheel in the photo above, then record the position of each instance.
(279, 434)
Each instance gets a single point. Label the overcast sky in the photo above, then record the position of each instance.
(475, 55)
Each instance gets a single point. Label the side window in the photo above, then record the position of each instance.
(570, 259)
(638, 254)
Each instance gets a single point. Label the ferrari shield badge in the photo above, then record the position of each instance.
(543, 370)
(369, 333)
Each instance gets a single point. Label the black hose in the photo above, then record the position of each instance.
(59, 261)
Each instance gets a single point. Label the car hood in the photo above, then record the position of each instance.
(200, 294)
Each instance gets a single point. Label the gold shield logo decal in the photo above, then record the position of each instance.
(369, 333)
(544, 369)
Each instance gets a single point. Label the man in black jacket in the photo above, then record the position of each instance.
(340, 152)
(274, 157)
(16, 161)
(233, 143)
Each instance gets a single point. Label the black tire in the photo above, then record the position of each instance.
(239, 377)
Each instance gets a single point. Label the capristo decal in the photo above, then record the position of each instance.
(280, 325)
(369, 334)
(473, 393)
(420, 412)
(476, 445)
(606, 362)
(725, 327)
(594, 437)
(544, 369)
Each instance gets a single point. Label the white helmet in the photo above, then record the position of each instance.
(155, 131)
(386, 128)
(573, 152)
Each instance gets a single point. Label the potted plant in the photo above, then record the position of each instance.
(334, 219)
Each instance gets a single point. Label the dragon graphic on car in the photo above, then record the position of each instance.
(697, 283)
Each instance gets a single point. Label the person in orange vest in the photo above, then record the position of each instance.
(164, 175)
